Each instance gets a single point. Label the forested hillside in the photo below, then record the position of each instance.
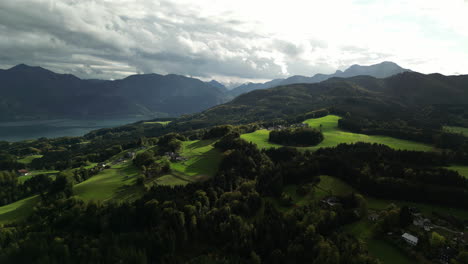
(29, 93)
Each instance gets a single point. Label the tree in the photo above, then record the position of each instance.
(436, 240)
(406, 218)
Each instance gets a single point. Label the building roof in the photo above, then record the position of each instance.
(410, 237)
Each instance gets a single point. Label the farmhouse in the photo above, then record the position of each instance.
(410, 239)
(424, 223)
(331, 201)
(23, 172)
(373, 216)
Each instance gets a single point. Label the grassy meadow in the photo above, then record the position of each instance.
(455, 129)
(116, 183)
(29, 159)
(18, 210)
(462, 170)
(334, 136)
(202, 160)
(164, 123)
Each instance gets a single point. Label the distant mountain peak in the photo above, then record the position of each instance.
(26, 68)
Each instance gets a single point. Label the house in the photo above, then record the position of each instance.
(410, 239)
(23, 172)
(331, 201)
(373, 216)
(424, 223)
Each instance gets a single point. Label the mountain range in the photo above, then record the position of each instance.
(28, 93)
(403, 94)
(33, 92)
(380, 70)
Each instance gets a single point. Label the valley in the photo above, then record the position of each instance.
(351, 185)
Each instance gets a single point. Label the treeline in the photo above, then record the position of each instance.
(296, 137)
(11, 190)
(382, 172)
(224, 220)
(402, 129)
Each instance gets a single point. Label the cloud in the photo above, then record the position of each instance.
(230, 40)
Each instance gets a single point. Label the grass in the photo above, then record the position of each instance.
(202, 163)
(18, 210)
(380, 249)
(455, 129)
(51, 173)
(462, 170)
(29, 159)
(171, 180)
(387, 253)
(116, 183)
(332, 186)
(164, 123)
(334, 136)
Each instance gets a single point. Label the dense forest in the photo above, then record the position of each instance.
(296, 136)
(260, 205)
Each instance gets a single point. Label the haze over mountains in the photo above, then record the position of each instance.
(36, 93)
(380, 70)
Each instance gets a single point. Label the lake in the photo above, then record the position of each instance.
(24, 130)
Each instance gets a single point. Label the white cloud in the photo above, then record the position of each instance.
(232, 40)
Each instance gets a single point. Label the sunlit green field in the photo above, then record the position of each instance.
(202, 163)
(51, 173)
(164, 123)
(333, 136)
(462, 170)
(18, 210)
(110, 184)
(29, 159)
(454, 129)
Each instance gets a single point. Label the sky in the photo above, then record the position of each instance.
(232, 41)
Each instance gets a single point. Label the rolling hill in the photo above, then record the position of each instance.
(404, 94)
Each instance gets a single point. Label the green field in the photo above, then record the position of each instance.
(18, 210)
(116, 183)
(164, 123)
(29, 159)
(333, 136)
(202, 163)
(454, 129)
(332, 186)
(462, 170)
(51, 173)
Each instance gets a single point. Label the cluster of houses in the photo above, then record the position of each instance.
(447, 253)
(174, 157)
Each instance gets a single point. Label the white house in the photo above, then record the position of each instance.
(410, 239)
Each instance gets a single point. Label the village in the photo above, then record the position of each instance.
(451, 233)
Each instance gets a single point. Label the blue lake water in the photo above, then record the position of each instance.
(24, 130)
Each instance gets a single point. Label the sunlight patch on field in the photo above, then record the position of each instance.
(455, 129)
(462, 170)
(18, 210)
(108, 184)
(333, 136)
(29, 159)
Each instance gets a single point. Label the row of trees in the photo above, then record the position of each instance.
(296, 136)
